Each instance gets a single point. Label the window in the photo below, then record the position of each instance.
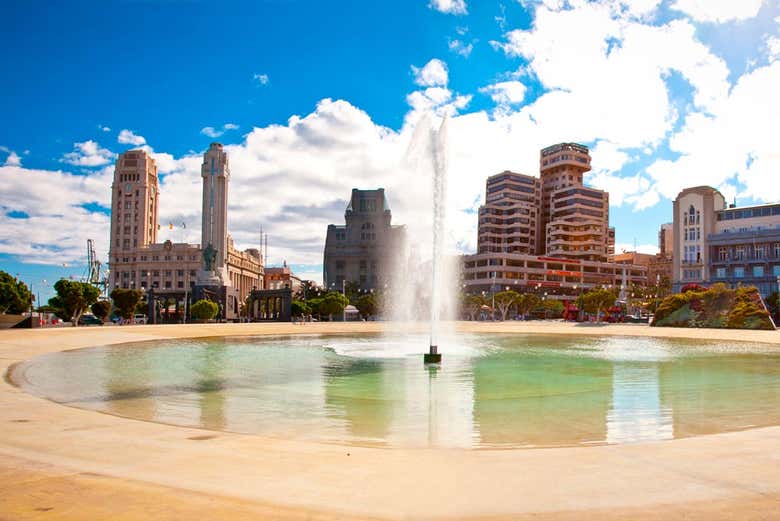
(760, 251)
(758, 271)
(777, 250)
(179, 273)
(339, 265)
(156, 273)
(720, 273)
(739, 272)
(180, 284)
(776, 270)
(739, 252)
(363, 265)
(167, 284)
(723, 253)
(168, 273)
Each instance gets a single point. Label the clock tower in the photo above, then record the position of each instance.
(134, 203)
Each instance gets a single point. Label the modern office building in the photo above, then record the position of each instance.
(550, 231)
(366, 248)
(510, 220)
(575, 218)
(171, 269)
(729, 244)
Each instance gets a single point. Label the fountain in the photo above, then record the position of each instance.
(438, 142)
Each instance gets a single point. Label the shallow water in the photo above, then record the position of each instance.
(492, 391)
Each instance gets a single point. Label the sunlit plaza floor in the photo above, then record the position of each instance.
(59, 462)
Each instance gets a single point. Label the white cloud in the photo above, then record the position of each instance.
(718, 11)
(773, 47)
(506, 92)
(127, 137)
(13, 159)
(261, 79)
(56, 228)
(88, 153)
(104, 128)
(449, 6)
(214, 133)
(460, 47)
(433, 74)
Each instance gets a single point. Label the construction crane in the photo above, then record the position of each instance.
(93, 268)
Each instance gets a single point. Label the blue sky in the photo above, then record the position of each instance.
(313, 98)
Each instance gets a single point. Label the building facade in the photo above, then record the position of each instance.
(563, 278)
(579, 224)
(366, 248)
(733, 245)
(168, 269)
(510, 220)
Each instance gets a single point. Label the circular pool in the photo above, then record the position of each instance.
(491, 391)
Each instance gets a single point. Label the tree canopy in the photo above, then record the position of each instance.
(101, 309)
(367, 305)
(595, 300)
(73, 298)
(504, 301)
(300, 308)
(15, 297)
(125, 301)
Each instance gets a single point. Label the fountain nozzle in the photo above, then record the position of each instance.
(432, 356)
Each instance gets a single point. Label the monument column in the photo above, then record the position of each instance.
(215, 172)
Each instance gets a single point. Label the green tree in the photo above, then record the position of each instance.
(73, 298)
(553, 308)
(333, 303)
(504, 301)
(300, 308)
(126, 301)
(204, 310)
(526, 302)
(472, 304)
(101, 309)
(15, 297)
(367, 305)
(595, 300)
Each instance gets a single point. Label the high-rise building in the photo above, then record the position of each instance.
(365, 249)
(550, 234)
(693, 219)
(510, 219)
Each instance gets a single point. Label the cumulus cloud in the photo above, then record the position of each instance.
(127, 137)
(506, 92)
(432, 74)
(261, 79)
(55, 229)
(89, 154)
(449, 6)
(718, 11)
(214, 133)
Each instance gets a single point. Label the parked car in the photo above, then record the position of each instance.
(90, 320)
(139, 319)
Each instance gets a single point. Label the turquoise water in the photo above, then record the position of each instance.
(491, 391)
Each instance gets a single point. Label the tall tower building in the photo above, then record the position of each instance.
(510, 219)
(216, 174)
(560, 166)
(134, 202)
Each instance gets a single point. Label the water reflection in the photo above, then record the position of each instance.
(491, 392)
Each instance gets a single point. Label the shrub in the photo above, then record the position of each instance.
(101, 309)
(204, 310)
